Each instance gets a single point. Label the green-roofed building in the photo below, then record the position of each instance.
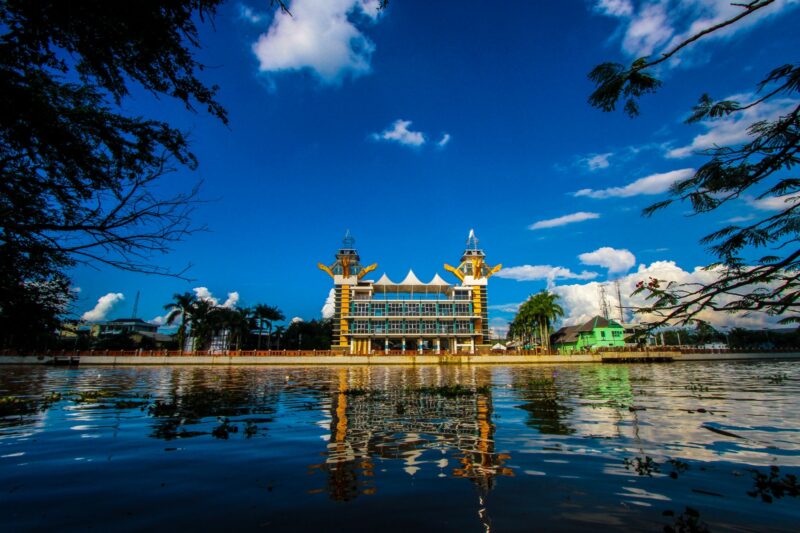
(598, 332)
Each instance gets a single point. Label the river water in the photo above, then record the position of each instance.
(504, 448)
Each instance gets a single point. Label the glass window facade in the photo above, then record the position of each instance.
(463, 326)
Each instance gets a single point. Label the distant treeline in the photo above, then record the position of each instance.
(736, 338)
(299, 335)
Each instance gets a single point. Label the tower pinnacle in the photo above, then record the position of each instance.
(348, 241)
(472, 240)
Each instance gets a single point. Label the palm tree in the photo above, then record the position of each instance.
(231, 324)
(240, 321)
(279, 331)
(202, 320)
(267, 314)
(181, 306)
(526, 322)
(547, 312)
(535, 318)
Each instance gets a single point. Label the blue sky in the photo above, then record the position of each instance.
(337, 120)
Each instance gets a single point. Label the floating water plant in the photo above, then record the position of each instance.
(14, 405)
(452, 391)
(678, 467)
(643, 467)
(687, 522)
(772, 485)
(91, 396)
(225, 429)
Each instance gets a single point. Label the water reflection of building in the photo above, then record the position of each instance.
(378, 414)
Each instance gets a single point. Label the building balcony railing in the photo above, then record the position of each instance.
(461, 310)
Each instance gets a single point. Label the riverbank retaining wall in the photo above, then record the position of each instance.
(329, 360)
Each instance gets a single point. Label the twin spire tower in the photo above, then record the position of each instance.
(373, 317)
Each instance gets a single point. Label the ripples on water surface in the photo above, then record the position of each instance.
(456, 448)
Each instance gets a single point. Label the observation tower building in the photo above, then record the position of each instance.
(373, 317)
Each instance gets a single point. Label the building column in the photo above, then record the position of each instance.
(352, 346)
(438, 345)
(403, 346)
(419, 345)
(472, 345)
(386, 345)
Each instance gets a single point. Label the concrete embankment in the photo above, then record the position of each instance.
(330, 360)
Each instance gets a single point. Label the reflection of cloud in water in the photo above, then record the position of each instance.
(665, 410)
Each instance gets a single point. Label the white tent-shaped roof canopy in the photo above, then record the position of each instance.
(384, 282)
(411, 283)
(411, 280)
(437, 281)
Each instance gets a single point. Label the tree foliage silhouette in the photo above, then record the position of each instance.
(762, 168)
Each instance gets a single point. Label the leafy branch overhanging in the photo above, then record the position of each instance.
(762, 168)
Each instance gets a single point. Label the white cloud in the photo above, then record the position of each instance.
(614, 8)
(250, 15)
(650, 26)
(616, 261)
(542, 272)
(159, 320)
(737, 220)
(564, 220)
(103, 307)
(598, 161)
(732, 130)
(506, 308)
(498, 327)
(321, 37)
(203, 293)
(76, 290)
(297, 320)
(398, 132)
(774, 203)
(232, 300)
(329, 307)
(653, 184)
(581, 301)
(443, 141)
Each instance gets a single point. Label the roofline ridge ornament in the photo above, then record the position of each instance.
(348, 241)
(472, 240)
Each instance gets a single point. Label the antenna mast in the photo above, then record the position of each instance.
(619, 299)
(603, 301)
(136, 305)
